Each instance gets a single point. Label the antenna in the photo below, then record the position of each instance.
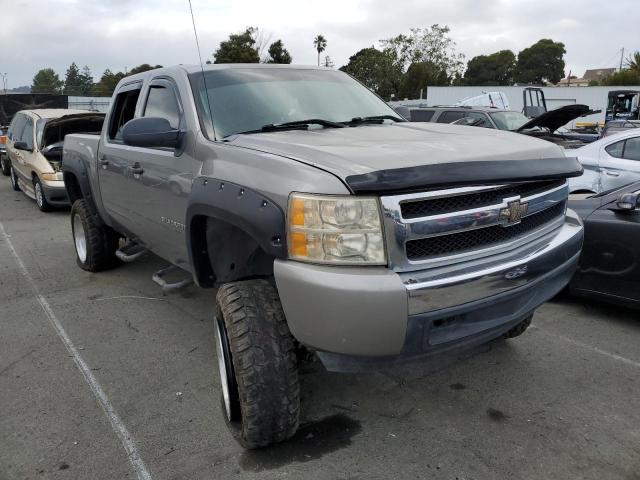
(204, 78)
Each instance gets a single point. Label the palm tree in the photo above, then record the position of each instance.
(633, 62)
(321, 44)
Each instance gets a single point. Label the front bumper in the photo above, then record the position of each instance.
(55, 193)
(374, 316)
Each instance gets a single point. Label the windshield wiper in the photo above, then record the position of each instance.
(295, 125)
(375, 119)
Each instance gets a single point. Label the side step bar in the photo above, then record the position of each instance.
(157, 277)
(130, 252)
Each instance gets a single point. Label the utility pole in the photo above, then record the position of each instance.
(4, 82)
(569, 79)
(621, 58)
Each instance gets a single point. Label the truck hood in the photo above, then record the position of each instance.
(554, 119)
(410, 155)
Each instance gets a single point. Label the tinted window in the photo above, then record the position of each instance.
(632, 149)
(448, 117)
(27, 134)
(422, 115)
(615, 149)
(509, 120)
(16, 127)
(162, 102)
(124, 109)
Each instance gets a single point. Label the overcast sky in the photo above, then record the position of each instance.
(123, 33)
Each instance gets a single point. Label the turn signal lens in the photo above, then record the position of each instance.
(51, 176)
(335, 229)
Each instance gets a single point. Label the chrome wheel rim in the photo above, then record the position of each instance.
(79, 238)
(223, 370)
(38, 188)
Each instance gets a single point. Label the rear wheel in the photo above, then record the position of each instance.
(257, 364)
(95, 243)
(4, 165)
(14, 179)
(41, 200)
(520, 328)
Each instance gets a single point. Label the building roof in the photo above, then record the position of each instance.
(598, 73)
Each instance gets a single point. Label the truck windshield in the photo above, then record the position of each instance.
(509, 120)
(246, 99)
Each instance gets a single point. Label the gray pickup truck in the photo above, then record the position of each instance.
(327, 223)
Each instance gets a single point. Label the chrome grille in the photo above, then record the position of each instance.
(438, 228)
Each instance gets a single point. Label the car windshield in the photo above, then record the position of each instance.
(508, 120)
(246, 99)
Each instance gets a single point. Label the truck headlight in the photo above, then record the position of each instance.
(334, 229)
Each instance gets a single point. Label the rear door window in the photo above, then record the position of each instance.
(162, 102)
(422, 115)
(124, 109)
(615, 149)
(632, 149)
(450, 116)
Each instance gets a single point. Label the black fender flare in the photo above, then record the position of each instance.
(72, 165)
(244, 208)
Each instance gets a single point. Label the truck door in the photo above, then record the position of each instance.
(161, 178)
(115, 159)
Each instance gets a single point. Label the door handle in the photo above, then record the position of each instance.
(136, 169)
(104, 162)
(611, 174)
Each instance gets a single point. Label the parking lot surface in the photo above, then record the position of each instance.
(103, 376)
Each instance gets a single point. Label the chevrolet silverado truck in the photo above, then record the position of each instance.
(327, 223)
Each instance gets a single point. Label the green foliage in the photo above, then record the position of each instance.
(240, 48)
(594, 83)
(46, 81)
(278, 54)
(495, 69)
(72, 80)
(107, 83)
(542, 61)
(421, 74)
(377, 70)
(320, 43)
(624, 77)
(145, 67)
(633, 62)
(430, 45)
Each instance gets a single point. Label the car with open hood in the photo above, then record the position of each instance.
(34, 151)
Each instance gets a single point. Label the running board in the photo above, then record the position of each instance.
(130, 252)
(157, 277)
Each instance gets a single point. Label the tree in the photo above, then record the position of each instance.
(377, 70)
(107, 83)
(623, 77)
(421, 74)
(321, 45)
(542, 61)
(495, 69)
(145, 67)
(240, 48)
(73, 80)
(633, 62)
(47, 81)
(430, 44)
(86, 81)
(278, 54)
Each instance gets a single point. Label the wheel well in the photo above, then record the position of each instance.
(222, 253)
(73, 187)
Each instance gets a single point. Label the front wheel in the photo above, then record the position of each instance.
(14, 179)
(257, 364)
(4, 166)
(41, 200)
(95, 242)
(520, 328)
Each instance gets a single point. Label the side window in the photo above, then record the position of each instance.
(162, 102)
(632, 149)
(27, 134)
(15, 129)
(421, 115)
(450, 116)
(124, 109)
(484, 122)
(615, 149)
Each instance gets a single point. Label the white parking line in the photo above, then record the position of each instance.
(613, 356)
(116, 423)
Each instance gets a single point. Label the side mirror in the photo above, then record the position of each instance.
(150, 132)
(22, 146)
(628, 202)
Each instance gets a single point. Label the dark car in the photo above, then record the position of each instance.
(617, 126)
(610, 262)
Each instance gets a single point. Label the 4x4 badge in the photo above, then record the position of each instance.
(514, 212)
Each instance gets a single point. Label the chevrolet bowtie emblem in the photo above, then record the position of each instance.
(514, 212)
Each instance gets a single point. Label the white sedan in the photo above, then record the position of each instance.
(609, 163)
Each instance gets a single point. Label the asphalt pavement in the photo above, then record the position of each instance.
(102, 376)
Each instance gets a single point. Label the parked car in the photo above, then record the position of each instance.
(34, 151)
(617, 126)
(609, 163)
(328, 223)
(4, 164)
(546, 126)
(610, 262)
